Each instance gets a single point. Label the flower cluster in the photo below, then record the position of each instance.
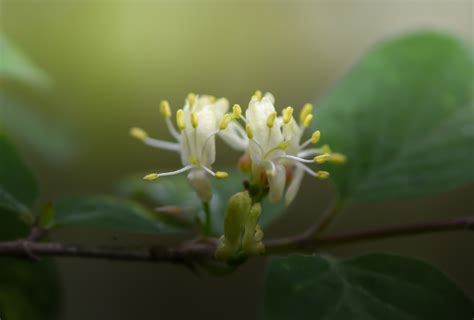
(276, 154)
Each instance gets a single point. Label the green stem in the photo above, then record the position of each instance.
(207, 230)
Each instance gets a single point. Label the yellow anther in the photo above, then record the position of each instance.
(249, 131)
(225, 121)
(257, 95)
(287, 114)
(337, 158)
(307, 109)
(326, 149)
(180, 120)
(322, 174)
(194, 120)
(322, 158)
(191, 99)
(194, 161)
(151, 176)
(237, 111)
(212, 99)
(271, 119)
(308, 120)
(315, 137)
(165, 109)
(283, 145)
(138, 133)
(221, 174)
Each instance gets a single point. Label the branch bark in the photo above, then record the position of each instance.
(195, 252)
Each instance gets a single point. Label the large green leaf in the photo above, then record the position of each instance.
(15, 65)
(404, 116)
(18, 188)
(376, 286)
(178, 199)
(109, 213)
(28, 290)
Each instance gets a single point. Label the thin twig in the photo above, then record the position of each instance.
(202, 251)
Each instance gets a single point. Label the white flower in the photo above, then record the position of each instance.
(274, 144)
(198, 123)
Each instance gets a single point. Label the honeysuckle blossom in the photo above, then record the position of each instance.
(275, 145)
(201, 119)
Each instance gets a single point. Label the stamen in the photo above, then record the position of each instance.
(322, 158)
(294, 158)
(322, 174)
(307, 120)
(257, 95)
(287, 114)
(326, 149)
(315, 137)
(172, 129)
(225, 121)
(154, 176)
(337, 158)
(191, 99)
(309, 152)
(165, 109)
(138, 133)
(180, 120)
(162, 144)
(221, 174)
(271, 119)
(249, 131)
(151, 176)
(194, 120)
(212, 99)
(307, 109)
(237, 111)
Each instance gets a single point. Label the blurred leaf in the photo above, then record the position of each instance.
(404, 116)
(18, 188)
(49, 139)
(175, 193)
(46, 217)
(28, 290)
(108, 213)
(375, 286)
(15, 65)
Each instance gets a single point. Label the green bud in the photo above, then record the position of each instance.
(253, 234)
(236, 215)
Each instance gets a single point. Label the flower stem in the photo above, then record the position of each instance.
(207, 230)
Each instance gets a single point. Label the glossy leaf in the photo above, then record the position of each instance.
(109, 213)
(375, 286)
(404, 116)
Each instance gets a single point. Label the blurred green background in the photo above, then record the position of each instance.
(111, 62)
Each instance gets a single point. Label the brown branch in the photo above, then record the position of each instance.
(199, 251)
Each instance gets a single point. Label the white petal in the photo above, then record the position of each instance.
(276, 183)
(199, 181)
(294, 185)
(233, 138)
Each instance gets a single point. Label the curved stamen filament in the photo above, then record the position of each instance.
(293, 158)
(172, 129)
(161, 144)
(310, 152)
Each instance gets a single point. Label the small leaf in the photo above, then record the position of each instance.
(375, 286)
(28, 290)
(46, 217)
(108, 213)
(15, 65)
(175, 193)
(404, 117)
(18, 188)
(49, 139)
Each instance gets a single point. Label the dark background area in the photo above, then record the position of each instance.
(111, 62)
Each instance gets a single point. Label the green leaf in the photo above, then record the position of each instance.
(15, 65)
(18, 188)
(109, 213)
(375, 286)
(28, 290)
(177, 198)
(404, 117)
(48, 138)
